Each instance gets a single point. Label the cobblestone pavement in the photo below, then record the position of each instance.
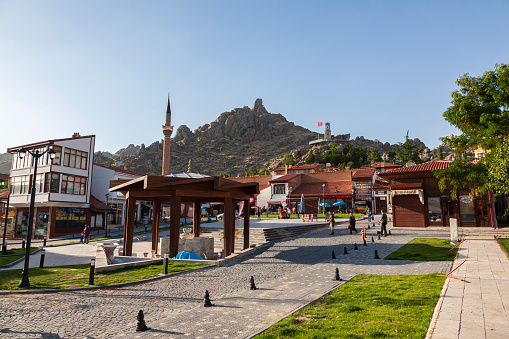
(477, 307)
(289, 274)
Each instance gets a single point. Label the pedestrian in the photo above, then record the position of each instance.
(331, 224)
(383, 219)
(351, 227)
(86, 233)
(369, 214)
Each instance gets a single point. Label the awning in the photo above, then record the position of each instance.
(274, 202)
(408, 192)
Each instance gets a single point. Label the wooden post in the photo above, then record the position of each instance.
(129, 225)
(246, 223)
(196, 218)
(227, 230)
(156, 217)
(175, 203)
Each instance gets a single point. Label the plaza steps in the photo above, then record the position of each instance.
(277, 234)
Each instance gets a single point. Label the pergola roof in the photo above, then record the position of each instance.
(210, 189)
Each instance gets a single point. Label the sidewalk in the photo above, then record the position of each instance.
(477, 307)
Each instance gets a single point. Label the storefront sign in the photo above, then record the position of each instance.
(408, 192)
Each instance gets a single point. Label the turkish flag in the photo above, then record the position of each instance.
(320, 124)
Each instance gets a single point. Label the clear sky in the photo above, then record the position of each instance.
(370, 68)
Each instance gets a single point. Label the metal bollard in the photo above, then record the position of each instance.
(41, 263)
(165, 264)
(4, 249)
(145, 228)
(23, 243)
(92, 272)
(44, 243)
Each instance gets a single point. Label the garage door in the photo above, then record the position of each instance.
(408, 211)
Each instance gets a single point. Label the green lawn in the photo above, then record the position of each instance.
(336, 215)
(21, 251)
(424, 249)
(504, 242)
(77, 275)
(368, 306)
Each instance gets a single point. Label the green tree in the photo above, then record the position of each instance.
(480, 110)
(408, 151)
(373, 155)
(311, 157)
(252, 172)
(440, 154)
(391, 155)
(288, 159)
(263, 171)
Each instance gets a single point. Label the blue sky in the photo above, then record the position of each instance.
(370, 68)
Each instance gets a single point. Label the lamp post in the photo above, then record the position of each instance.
(290, 197)
(4, 245)
(36, 155)
(323, 198)
(106, 215)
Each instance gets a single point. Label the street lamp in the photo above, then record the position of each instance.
(36, 155)
(4, 245)
(290, 196)
(106, 215)
(323, 198)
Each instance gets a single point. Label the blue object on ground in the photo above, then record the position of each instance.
(188, 255)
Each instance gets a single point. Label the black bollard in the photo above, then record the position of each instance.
(141, 326)
(4, 248)
(373, 224)
(23, 243)
(44, 242)
(372, 239)
(355, 246)
(41, 263)
(336, 276)
(390, 232)
(333, 255)
(368, 226)
(81, 239)
(345, 251)
(378, 236)
(92, 272)
(206, 300)
(252, 284)
(376, 255)
(364, 243)
(165, 264)
(145, 228)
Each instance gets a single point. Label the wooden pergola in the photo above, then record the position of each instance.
(175, 191)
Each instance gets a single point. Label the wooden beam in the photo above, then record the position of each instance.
(175, 202)
(196, 218)
(156, 217)
(228, 220)
(247, 213)
(123, 185)
(129, 225)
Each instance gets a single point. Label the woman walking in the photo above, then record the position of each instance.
(351, 227)
(331, 224)
(86, 233)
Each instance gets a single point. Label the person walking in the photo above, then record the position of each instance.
(383, 219)
(351, 227)
(86, 233)
(331, 224)
(369, 214)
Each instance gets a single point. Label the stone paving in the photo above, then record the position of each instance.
(477, 307)
(289, 275)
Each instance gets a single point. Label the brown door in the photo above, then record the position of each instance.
(447, 210)
(408, 211)
(482, 216)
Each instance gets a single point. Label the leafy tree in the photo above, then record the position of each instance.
(440, 154)
(263, 171)
(391, 155)
(480, 110)
(408, 151)
(252, 172)
(373, 155)
(288, 159)
(224, 175)
(310, 158)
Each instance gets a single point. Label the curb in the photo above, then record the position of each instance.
(20, 259)
(502, 246)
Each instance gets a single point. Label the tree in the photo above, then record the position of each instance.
(408, 151)
(252, 172)
(373, 155)
(263, 171)
(440, 154)
(311, 157)
(288, 159)
(480, 110)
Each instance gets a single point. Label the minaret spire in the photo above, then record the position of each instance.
(167, 131)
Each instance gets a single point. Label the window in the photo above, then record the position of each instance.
(75, 159)
(20, 184)
(39, 183)
(434, 210)
(72, 184)
(466, 208)
(58, 156)
(279, 189)
(52, 182)
(481, 207)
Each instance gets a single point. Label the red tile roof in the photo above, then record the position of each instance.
(293, 168)
(286, 177)
(426, 167)
(4, 193)
(97, 204)
(363, 173)
(315, 189)
(118, 169)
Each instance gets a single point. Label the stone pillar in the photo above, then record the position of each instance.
(246, 223)
(175, 202)
(156, 217)
(129, 225)
(196, 218)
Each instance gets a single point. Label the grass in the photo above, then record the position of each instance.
(336, 215)
(368, 306)
(504, 242)
(62, 277)
(20, 251)
(424, 249)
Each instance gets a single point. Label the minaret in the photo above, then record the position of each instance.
(167, 131)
